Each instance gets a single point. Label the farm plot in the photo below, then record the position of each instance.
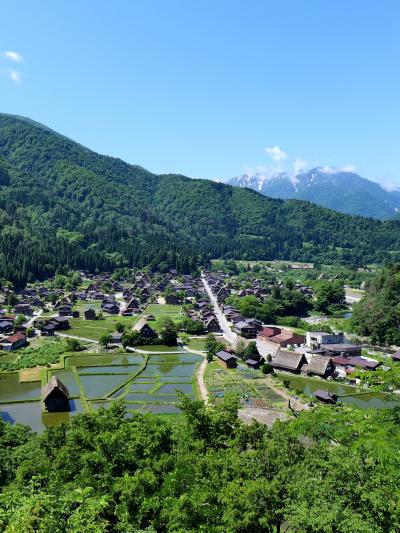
(147, 382)
(249, 385)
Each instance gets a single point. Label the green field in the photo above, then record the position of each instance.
(95, 329)
(82, 305)
(163, 310)
(197, 344)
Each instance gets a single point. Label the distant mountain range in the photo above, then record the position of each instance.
(343, 191)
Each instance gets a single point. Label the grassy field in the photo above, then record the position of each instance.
(94, 329)
(197, 344)
(162, 310)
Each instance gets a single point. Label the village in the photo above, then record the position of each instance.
(271, 367)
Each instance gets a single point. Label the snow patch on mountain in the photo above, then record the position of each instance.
(337, 188)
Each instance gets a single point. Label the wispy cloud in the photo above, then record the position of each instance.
(335, 170)
(13, 56)
(15, 76)
(276, 154)
(299, 165)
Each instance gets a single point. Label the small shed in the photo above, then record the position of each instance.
(55, 396)
(252, 363)
(325, 396)
(226, 359)
(396, 357)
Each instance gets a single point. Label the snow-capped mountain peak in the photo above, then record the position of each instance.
(339, 189)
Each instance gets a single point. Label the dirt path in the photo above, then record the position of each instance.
(200, 381)
(65, 335)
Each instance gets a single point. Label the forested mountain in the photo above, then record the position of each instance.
(62, 205)
(346, 192)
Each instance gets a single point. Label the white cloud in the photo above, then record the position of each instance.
(13, 56)
(335, 170)
(275, 153)
(348, 168)
(15, 76)
(299, 165)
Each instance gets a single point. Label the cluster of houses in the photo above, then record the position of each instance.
(319, 353)
(325, 355)
(250, 328)
(204, 312)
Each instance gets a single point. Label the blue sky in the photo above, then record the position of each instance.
(204, 87)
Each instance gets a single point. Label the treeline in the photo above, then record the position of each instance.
(331, 469)
(378, 314)
(64, 206)
(285, 304)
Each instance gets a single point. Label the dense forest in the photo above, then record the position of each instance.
(64, 206)
(333, 469)
(378, 314)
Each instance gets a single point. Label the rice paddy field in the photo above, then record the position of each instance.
(148, 382)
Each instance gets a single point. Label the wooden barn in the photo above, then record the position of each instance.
(226, 359)
(55, 396)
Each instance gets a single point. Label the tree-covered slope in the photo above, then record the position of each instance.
(63, 205)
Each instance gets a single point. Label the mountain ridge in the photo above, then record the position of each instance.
(64, 206)
(344, 191)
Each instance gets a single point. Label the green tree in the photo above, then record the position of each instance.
(73, 345)
(168, 332)
(212, 346)
(105, 340)
(120, 327)
(251, 351)
(329, 295)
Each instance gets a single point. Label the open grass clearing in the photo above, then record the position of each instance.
(95, 329)
(159, 311)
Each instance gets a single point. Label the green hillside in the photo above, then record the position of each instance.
(62, 205)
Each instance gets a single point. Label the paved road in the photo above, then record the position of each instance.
(33, 318)
(229, 335)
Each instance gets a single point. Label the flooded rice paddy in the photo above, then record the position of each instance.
(346, 393)
(147, 382)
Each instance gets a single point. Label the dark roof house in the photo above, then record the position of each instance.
(289, 361)
(226, 359)
(55, 396)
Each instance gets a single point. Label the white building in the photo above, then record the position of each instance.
(314, 339)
